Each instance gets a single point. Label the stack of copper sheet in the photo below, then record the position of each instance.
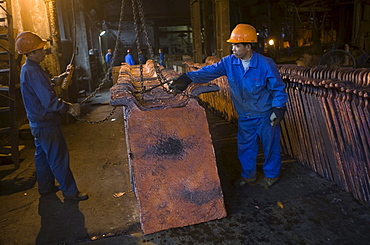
(327, 126)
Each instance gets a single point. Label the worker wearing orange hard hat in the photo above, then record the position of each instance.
(259, 97)
(44, 110)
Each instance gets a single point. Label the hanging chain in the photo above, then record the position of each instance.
(161, 79)
(137, 8)
(101, 120)
(137, 30)
(106, 77)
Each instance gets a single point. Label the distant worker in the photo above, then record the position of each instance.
(128, 58)
(108, 58)
(257, 91)
(161, 57)
(142, 58)
(108, 61)
(44, 110)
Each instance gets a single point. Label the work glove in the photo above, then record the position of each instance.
(277, 115)
(74, 109)
(180, 84)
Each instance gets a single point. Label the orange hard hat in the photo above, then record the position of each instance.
(243, 33)
(28, 41)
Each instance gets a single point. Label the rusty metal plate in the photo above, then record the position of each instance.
(173, 167)
(171, 157)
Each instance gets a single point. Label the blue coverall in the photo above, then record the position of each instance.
(129, 60)
(108, 59)
(44, 110)
(142, 58)
(254, 91)
(161, 58)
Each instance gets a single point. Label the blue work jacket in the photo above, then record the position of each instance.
(43, 107)
(129, 60)
(254, 91)
(108, 58)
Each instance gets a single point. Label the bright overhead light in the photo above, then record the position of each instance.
(102, 33)
(271, 42)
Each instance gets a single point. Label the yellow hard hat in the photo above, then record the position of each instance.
(243, 33)
(28, 41)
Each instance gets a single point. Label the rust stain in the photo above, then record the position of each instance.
(169, 146)
(200, 197)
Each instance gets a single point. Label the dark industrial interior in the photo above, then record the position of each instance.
(322, 51)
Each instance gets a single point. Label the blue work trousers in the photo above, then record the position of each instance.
(52, 160)
(250, 131)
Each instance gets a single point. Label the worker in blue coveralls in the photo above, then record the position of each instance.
(44, 110)
(142, 58)
(161, 57)
(108, 61)
(129, 59)
(259, 97)
(108, 58)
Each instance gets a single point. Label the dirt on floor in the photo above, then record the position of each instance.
(301, 208)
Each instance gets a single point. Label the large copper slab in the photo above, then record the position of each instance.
(173, 167)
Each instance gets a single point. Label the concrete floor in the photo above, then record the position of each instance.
(302, 208)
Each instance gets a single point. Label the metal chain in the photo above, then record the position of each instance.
(162, 80)
(106, 77)
(156, 64)
(98, 121)
(93, 93)
(134, 11)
